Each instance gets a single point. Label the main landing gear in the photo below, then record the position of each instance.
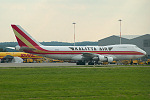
(83, 63)
(91, 63)
(80, 63)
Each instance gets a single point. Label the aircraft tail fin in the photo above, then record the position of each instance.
(23, 38)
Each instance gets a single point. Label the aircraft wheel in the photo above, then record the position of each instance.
(80, 63)
(91, 63)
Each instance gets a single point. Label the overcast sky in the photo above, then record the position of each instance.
(51, 20)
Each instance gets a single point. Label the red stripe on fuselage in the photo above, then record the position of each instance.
(96, 52)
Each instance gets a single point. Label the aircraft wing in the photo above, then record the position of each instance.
(93, 56)
(88, 55)
(18, 48)
(10, 47)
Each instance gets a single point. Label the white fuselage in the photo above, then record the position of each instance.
(118, 52)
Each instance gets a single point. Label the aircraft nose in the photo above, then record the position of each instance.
(144, 52)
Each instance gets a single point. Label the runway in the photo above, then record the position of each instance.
(73, 65)
(35, 64)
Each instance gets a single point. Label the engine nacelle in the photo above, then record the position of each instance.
(110, 59)
(17, 48)
(105, 59)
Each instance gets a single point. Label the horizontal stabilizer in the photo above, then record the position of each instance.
(11, 48)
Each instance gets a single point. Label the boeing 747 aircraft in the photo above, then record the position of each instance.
(81, 54)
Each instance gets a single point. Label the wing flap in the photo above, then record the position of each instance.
(88, 55)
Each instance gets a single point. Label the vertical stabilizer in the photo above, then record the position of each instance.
(23, 38)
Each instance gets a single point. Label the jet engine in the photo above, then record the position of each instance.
(103, 58)
(17, 48)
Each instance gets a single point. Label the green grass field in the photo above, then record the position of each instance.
(109, 83)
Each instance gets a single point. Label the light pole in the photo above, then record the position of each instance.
(74, 33)
(120, 29)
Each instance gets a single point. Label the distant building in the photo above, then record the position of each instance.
(142, 41)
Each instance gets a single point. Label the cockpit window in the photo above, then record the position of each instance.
(136, 47)
(122, 47)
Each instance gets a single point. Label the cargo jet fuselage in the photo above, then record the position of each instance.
(81, 54)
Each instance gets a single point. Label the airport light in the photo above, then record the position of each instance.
(74, 33)
(120, 29)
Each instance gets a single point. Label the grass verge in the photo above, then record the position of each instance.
(75, 83)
